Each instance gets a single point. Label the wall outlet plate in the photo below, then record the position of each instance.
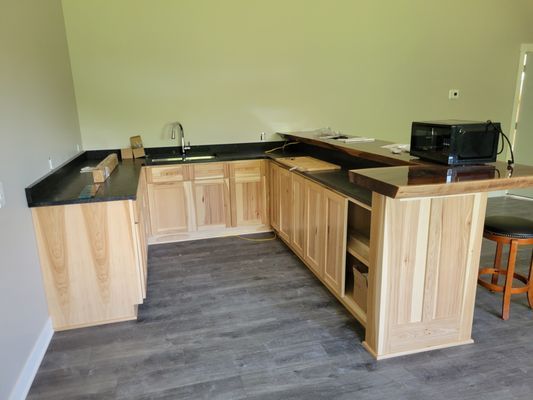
(453, 94)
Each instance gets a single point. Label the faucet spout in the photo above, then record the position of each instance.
(184, 147)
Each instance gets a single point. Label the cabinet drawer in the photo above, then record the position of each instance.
(169, 173)
(209, 171)
(247, 169)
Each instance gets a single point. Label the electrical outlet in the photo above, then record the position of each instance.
(2, 196)
(453, 94)
(78, 148)
(50, 163)
(262, 136)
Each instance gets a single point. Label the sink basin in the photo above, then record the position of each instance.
(183, 159)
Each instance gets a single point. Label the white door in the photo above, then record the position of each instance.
(523, 134)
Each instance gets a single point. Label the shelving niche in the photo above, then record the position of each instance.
(357, 257)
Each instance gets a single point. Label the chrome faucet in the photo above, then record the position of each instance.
(182, 138)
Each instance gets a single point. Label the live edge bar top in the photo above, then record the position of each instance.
(402, 176)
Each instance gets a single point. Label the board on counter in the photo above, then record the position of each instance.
(307, 164)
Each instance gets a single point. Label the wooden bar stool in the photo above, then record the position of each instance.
(514, 231)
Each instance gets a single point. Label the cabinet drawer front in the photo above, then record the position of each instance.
(247, 169)
(174, 173)
(209, 171)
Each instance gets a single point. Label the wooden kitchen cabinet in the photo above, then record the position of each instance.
(170, 207)
(299, 215)
(211, 196)
(89, 262)
(170, 199)
(202, 200)
(274, 196)
(315, 225)
(142, 229)
(336, 211)
(248, 192)
(281, 201)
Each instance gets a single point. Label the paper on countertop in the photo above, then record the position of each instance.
(356, 139)
(397, 146)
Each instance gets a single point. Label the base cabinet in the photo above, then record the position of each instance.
(248, 193)
(315, 219)
(90, 262)
(281, 200)
(317, 230)
(336, 210)
(170, 203)
(207, 199)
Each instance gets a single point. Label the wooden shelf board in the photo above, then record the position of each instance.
(359, 246)
(354, 308)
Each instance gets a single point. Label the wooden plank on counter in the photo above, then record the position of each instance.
(307, 164)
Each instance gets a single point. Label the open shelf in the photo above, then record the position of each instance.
(358, 240)
(359, 246)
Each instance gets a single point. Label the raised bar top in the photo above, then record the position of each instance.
(367, 150)
(441, 180)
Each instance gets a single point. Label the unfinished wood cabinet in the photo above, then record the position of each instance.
(274, 195)
(211, 196)
(336, 210)
(281, 201)
(285, 203)
(90, 262)
(248, 192)
(171, 207)
(299, 215)
(142, 229)
(170, 199)
(424, 258)
(314, 227)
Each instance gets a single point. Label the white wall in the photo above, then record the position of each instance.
(38, 119)
(233, 68)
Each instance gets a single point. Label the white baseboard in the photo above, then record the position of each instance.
(25, 379)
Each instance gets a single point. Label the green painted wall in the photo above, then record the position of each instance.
(231, 69)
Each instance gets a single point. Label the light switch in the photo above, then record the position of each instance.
(2, 196)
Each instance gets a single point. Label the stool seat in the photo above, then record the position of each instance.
(512, 231)
(515, 227)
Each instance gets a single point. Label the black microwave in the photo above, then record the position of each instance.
(453, 142)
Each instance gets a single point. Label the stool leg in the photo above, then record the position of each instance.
(497, 262)
(509, 280)
(530, 284)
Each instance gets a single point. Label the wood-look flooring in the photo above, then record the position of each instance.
(234, 319)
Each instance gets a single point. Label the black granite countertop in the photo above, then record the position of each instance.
(66, 184)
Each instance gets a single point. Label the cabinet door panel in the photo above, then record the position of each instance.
(315, 219)
(248, 193)
(274, 196)
(335, 241)
(285, 203)
(169, 207)
(299, 206)
(210, 204)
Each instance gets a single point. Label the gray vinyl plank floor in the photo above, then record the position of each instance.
(234, 319)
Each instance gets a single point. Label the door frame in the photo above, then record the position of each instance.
(524, 48)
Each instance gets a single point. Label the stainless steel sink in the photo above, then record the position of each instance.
(182, 159)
